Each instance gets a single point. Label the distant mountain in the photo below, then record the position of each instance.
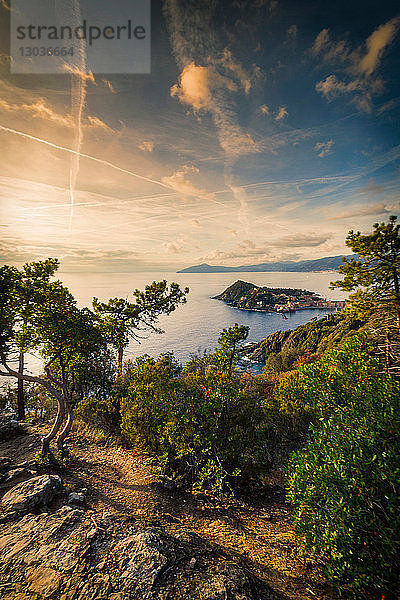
(329, 263)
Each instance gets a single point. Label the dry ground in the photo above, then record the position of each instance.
(119, 481)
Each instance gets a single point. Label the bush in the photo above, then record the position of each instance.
(101, 414)
(208, 430)
(345, 484)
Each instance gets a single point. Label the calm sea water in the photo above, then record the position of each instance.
(195, 326)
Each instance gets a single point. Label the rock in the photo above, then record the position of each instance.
(62, 555)
(30, 494)
(9, 427)
(16, 475)
(5, 463)
(76, 499)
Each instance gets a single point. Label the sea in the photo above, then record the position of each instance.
(195, 326)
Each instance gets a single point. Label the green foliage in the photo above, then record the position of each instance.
(345, 483)
(122, 320)
(101, 413)
(376, 274)
(226, 356)
(208, 430)
(284, 351)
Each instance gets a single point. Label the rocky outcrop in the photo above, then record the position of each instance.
(74, 555)
(17, 475)
(29, 495)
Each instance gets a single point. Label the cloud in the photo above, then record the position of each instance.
(197, 84)
(146, 146)
(40, 109)
(245, 254)
(361, 211)
(211, 78)
(323, 148)
(301, 240)
(84, 75)
(282, 113)
(247, 250)
(174, 247)
(96, 122)
(331, 51)
(108, 84)
(358, 66)
(237, 71)
(264, 110)
(361, 90)
(376, 45)
(180, 183)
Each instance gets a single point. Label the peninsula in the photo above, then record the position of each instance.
(248, 296)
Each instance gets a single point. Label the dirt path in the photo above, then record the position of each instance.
(120, 482)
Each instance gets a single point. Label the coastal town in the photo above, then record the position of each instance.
(247, 296)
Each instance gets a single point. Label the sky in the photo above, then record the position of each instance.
(266, 130)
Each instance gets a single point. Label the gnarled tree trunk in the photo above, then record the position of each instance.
(20, 396)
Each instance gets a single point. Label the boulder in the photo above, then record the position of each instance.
(72, 554)
(16, 475)
(76, 499)
(31, 494)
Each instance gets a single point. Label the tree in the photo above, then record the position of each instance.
(375, 275)
(227, 353)
(123, 320)
(63, 334)
(30, 286)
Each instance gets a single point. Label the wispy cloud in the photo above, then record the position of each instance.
(181, 183)
(209, 82)
(323, 148)
(361, 211)
(281, 113)
(146, 146)
(358, 65)
(301, 240)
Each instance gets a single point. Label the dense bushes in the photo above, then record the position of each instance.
(208, 430)
(345, 483)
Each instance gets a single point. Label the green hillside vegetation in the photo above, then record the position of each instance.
(281, 350)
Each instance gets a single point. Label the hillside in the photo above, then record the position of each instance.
(329, 263)
(281, 349)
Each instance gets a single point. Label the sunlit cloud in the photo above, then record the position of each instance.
(146, 146)
(323, 148)
(281, 113)
(360, 65)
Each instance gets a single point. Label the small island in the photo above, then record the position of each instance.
(248, 296)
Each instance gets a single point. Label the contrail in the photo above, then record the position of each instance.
(78, 98)
(101, 161)
(83, 155)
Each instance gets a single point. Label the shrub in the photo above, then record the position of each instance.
(344, 485)
(103, 414)
(208, 429)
